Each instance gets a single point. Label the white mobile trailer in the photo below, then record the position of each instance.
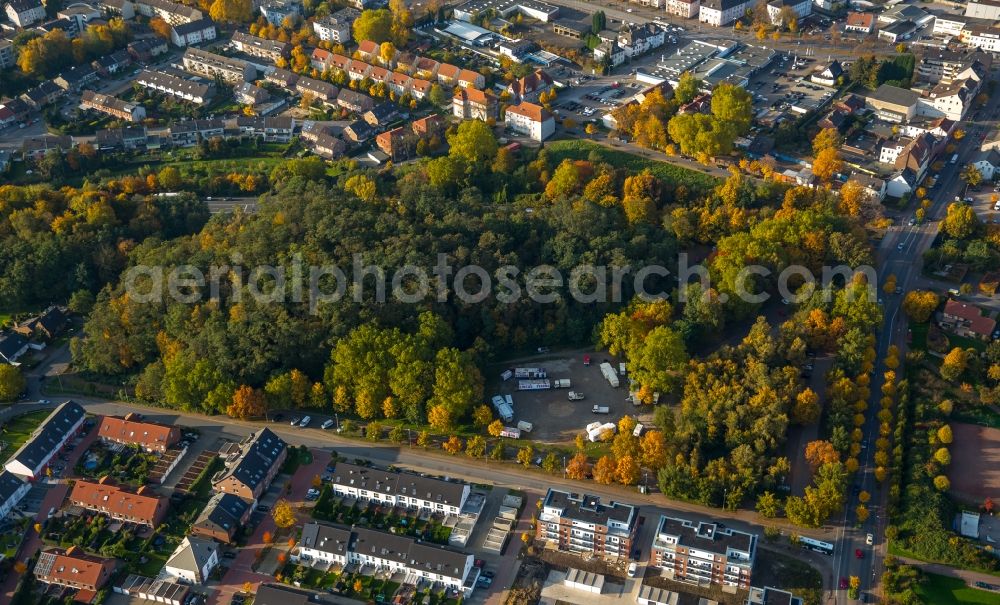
(601, 409)
(637, 431)
(511, 432)
(575, 396)
(530, 373)
(537, 384)
(525, 426)
(507, 375)
(610, 375)
(595, 433)
(621, 368)
(562, 383)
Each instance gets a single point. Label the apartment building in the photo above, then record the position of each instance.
(687, 9)
(533, 121)
(278, 10)
(983, 9)
(272, 50)
(45, 442)
(23, 13)
(141, 506)
(73, 568)
(579, 523)
(198, 93)
(388, 552)
(193, 32)
(222, 518)
(399, 489)
(112, 106)
(7, 56)
(946, 65)
(722, 12)
(703, 553)
(118, 8)
(951, 101)
(211, 65)
(131, 430)
(173, 13)
(337, 26)
(251, 465)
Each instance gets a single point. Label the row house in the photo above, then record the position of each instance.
(198, 93)
(193, 32)
(396, 488)
(354, 101)
(282, 78)
(113, 106)
(328, 146)
(323, 60)
(533, 121)
(173, 13)
(43, 94)
(397, 143)
(126, 138)
(35, 148)
(132, 430)
(580, 523)
(142, 506)
(113, 63)
(369, 50)
(31, 459)
(251, 465)
(704, 553)
(358, 131)
(211, 65)
(951, 101)
(147, 49)
(278, 129)
(324, 91)
(250, 94)
(382, 115)
(190, 132)
(473, 104)
(76, 77)
(12, 489)
(640, 39)
(222, 518)
(255, 46)
(75, 569)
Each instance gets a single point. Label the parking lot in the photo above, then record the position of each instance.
(554, 417)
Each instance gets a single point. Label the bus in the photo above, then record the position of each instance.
(816, 545)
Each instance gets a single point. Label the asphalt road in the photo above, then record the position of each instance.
(901, 254)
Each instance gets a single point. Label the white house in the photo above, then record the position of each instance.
(830, 74)
(12, 489)
(324, 543)
(336, 27)
(399, 489)
(532, 120)
(24, 12)
(193, 560)
(722, 12)
(988, 164)
(951, 101)
(801, 8)
(31, 458)
(194, 32)
(901, 183)
(392, 553)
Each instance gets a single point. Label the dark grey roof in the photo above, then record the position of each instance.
(384, 111)
(224, 512)
(326, 538)
(190, 27)
(9, 484)
(188, 126)
(275, 594)
(409, 552)
(776, 596)
(900, 27)
(11, 344)
(722, 5)
(24, 5)
(896, 95)
(257, 458)
(361, 129)
(42, 443)
(587, 508)
(707, 536)
(397, 483)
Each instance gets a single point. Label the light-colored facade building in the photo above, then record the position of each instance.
(579, 523)
(211, 65)
(703, 553)
(531, 120)
(400, 489)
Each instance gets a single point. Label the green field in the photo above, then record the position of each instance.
(580, 150)
(941, 590)
(17, 431)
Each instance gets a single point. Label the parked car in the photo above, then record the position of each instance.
(295, 420)
(327, 424)
(633, 568)
(305, 421)
(859, 554)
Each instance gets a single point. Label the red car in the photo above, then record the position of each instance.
(843, 583)
(858, 553)
(586, 360)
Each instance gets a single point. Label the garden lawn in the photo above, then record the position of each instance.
(942, 590)
(580, 150)
(17, 431)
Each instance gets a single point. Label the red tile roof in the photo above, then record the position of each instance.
(146, 434)
(535, 113)
(972, 315)
(367, 47)
(73, 567)
(137, 506)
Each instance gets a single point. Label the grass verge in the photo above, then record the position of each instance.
(942, 590)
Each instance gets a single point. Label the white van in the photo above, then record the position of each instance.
(327, 424)
(305, 421)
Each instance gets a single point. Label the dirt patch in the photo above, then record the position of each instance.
(714, 593)
(975, 462)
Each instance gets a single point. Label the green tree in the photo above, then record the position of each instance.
(733, 105)
(473, 143)
(971, 175)
(598, 21)
(458, 383)
(551, 462)
(374, 25)
(12, 382)
(525, 455)
(768, 505)
(437, 96)
(960, 221)
(688, 87)
(656, 362)
(475, 446)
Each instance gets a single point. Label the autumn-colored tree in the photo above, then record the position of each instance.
(578, 467)
(358, 586)
(827, 138)
(20, 568)
(654, 450)
(525, 455)
(942, 456)
(827, 164)
(482, 416)
(627, 471)
(453, 445)
(317, 481)
(247, 402)
(160, 27)
(807, 409)
(266, 538)
(439, 417)
(475, 446)
(821, 452)
(768, 505)
(604, 470)
(283, 514)
(495, 428)
(954, 364)
(941, 483)
(919, 304)
(944, 434)
(423, 439)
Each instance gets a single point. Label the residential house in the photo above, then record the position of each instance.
(471, 79)
(12, 348)
(399, 83)
(272, 50)
(704, 553)
(211, 65)
(7, 56)
(426, 68)
(874, 187)
(419, 88)
(73, 568)
(45, 442)
(12, 489)
(945, 65)
(428, 126)
(396, 143)
(354, 101)
(132, 430)
(179, 88)
(279, 594)
(688, 9)
(193, 561)
(472, 104)
(580, 523)
(448, 74)
(251, 465)
(23, 13)
(861, 23)
(76, 77)
(358, 70)
(611, 52)
(43, 94)
(128, 138)
(336, 28)
(530, 87)
(329, 146)
(324, 543)
(173, 13)
(382, 115)
(967, 321)
(829, 75)
(640, 39)
(531, 120)
(392, 553)
(396, 488)
(147, 49)
(951, 101)
(318, 89)
(798, 9)
(279, 129)
(142, 506)
(722, 12)
(193, 32)
(112, 106)
(111, 64)
(358, 131)
(47, 325)
(282, 77)
(982, 37)
(893, 104)
(190, 132)
(35, 148)
(250, 94)
(278, 10)
(368, 50)
(988, 164)
(222, 518)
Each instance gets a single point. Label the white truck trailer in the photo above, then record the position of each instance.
(610, 375)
